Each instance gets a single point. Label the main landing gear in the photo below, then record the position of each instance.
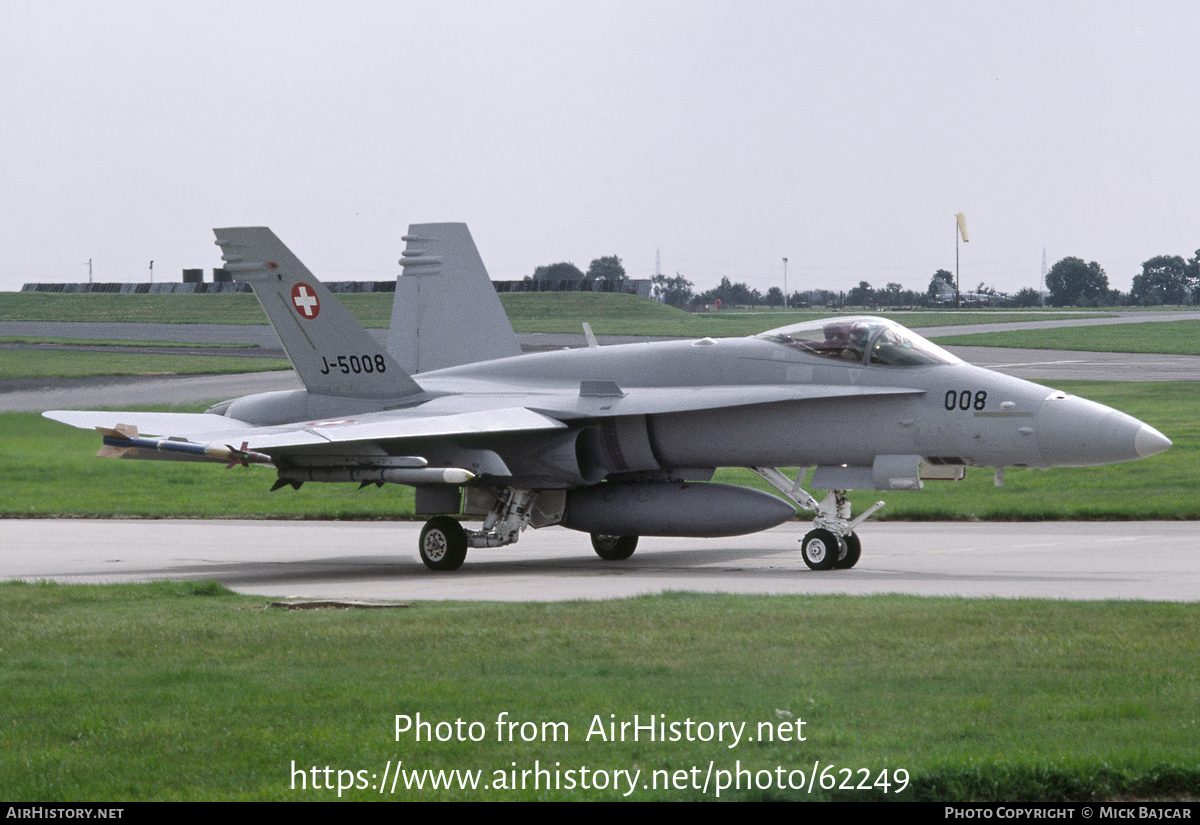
(614, 548)
(822, 550)
(832, 544)
(444, 542)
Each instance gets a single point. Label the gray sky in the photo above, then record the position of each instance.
(726, 135)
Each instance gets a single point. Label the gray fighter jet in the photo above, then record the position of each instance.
(615, 441)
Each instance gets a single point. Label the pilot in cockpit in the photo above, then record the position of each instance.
(846, 341)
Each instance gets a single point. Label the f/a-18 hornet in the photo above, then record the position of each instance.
(615, 441)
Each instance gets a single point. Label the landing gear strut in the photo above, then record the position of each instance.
(444, 542)
(832, 544)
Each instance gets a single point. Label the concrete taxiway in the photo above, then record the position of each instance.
(1157, 561)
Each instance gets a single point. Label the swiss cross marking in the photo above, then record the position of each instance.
(305, 301)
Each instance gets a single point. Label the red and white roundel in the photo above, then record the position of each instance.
(304, 298)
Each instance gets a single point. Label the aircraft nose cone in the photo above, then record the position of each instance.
(1075, 432)
(1150, 441)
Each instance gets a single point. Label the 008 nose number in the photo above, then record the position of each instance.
(966, 400)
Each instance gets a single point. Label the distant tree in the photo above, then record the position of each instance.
(1071, 282)
(1164, 280)
(1193, 273)
(774, 297)
(861, 295)
(606, 269)
(556, 273)
(731, 294)
(1028, 297)
(891, 294)
(676, 292)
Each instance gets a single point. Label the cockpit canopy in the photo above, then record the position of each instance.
(863, 340)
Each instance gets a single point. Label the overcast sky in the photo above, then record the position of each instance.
(723, 136)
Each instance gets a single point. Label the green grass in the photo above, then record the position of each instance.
(562, 312)
(1167, 337)
(231, 308)
(44, 465)
(628, 315)
(58, 364)
(36, 340)
(184, 691)
(372, 309)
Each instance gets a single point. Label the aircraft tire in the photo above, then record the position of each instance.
(443, 544)
(820, 549)
(849, 556)
(614, 548)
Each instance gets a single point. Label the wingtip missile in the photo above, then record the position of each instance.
(123, 442)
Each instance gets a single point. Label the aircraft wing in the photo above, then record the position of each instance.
(209, 437)
(595, 399)
(202, 436)
(187, 425)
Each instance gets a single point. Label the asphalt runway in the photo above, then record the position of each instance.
(378, 561)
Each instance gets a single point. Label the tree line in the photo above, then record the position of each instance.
(608, 268)
(1164, 279)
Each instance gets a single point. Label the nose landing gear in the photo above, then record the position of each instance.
(832, 544)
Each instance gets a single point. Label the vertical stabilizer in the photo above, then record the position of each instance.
(446, 311)
(327, 345)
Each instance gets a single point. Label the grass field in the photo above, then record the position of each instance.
(1167, 337)
(529, 312)
(373, 310)
(184, 691)
(35, 340)
(34, 363)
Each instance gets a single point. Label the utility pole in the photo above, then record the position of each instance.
(152, 272)
(89, 270)
(785, 306)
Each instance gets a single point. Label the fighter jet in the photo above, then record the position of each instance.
(616, 441)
